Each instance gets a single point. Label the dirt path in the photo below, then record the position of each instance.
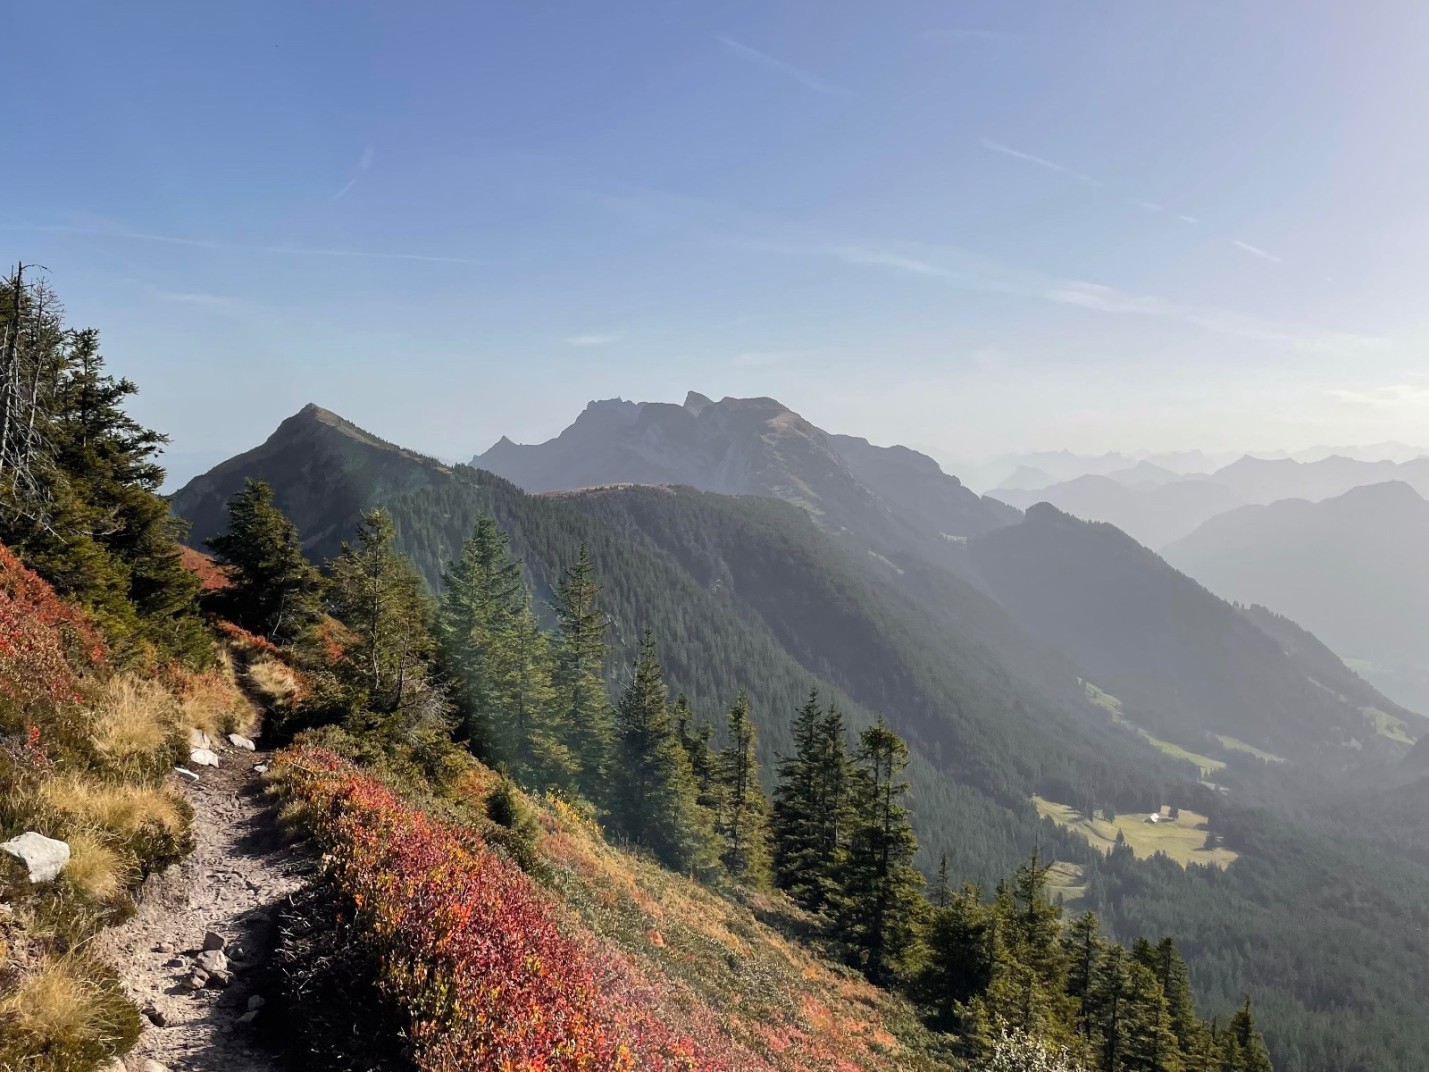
(232, 884)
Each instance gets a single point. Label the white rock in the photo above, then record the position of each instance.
(154, 1066)
(184, 772)
(213, 960)
(203, 757)
(261, 768)
(239, 741)
(199, 739)
(44, 857)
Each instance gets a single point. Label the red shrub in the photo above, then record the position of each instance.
(46, 645)
(210, 574)
(472, 949)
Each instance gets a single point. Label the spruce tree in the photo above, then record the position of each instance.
(482, 602)
(743, 822)
(582, 709)
(1245, 1046)
(655, 800)
(273, 590)
(799, 863)
(697, 739)
(1083, 947)
(377, 593)
(878, 905)
(961, 955)
(94, 524)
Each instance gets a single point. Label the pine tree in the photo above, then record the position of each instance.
(582, 710)
(376, 592)
(99, 531)
(801, 862)
(1244, 1047)
(540, 756)
(1150, 1042)
(697, 739)
(1083, 948)
(961, 954)
(878, 905)
(482, 602)
(1164, 961)
(743, 823)
(273, 590)
(655, 804)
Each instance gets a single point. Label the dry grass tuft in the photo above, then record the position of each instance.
(212, 702)
(66, 1013)
(97, 869)
(274, 680)
(134, 720)
(119, 808)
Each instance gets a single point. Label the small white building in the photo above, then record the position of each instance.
(1153, 818)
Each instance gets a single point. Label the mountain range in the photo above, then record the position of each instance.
(1159, 507)
(1353, 569)
(1025, 658)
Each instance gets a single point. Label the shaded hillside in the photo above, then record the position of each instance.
(1185, 663)
(324, 471)
(1354, 569)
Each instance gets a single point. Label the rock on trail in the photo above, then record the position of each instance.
(186, 957)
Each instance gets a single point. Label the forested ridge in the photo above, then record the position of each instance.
(685, 564)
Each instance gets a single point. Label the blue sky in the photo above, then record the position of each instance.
(979, 227)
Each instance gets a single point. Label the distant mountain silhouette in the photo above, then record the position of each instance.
(1354, 569)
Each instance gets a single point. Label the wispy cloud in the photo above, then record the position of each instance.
(1390, 396)
(364, 163)
(772, 63)
(240, 247)
(1018, 154)
(1256, 251)
(979, 274)
(595, 339)
(767, 358)
(1188, 219)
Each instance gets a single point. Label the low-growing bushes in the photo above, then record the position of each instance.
(473, 951)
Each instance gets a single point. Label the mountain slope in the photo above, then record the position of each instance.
(1353, 569)
(888, 498)
(1185, 663)
(748, 593)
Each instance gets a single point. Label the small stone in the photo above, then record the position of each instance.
(197, 979)
(212, 960)
(239, 741)
(203, 757)
(184, 772)
(166, 947)
(248, 1017)
(256, 1002)
(218, 980)
(212, 940)
(199, 739)
(153, 1066)
(261, 768)
(156, 1015)
(114, 1064)
(43, 857)
(177, 962)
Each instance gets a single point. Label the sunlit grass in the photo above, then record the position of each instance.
(1183, 839)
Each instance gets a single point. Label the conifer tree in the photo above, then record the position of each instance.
(697, 739)
(1083, 947)
(1244, 1048)
(743, 822)
(540, 757)
(655, 803)
(878, 905)
(89, 518)
(1164, 961)
(273, 590)
(582, 709)
(482, 602)
(800, 865)
(961, 955)
(376, 592)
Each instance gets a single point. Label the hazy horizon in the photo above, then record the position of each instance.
(978, 229)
